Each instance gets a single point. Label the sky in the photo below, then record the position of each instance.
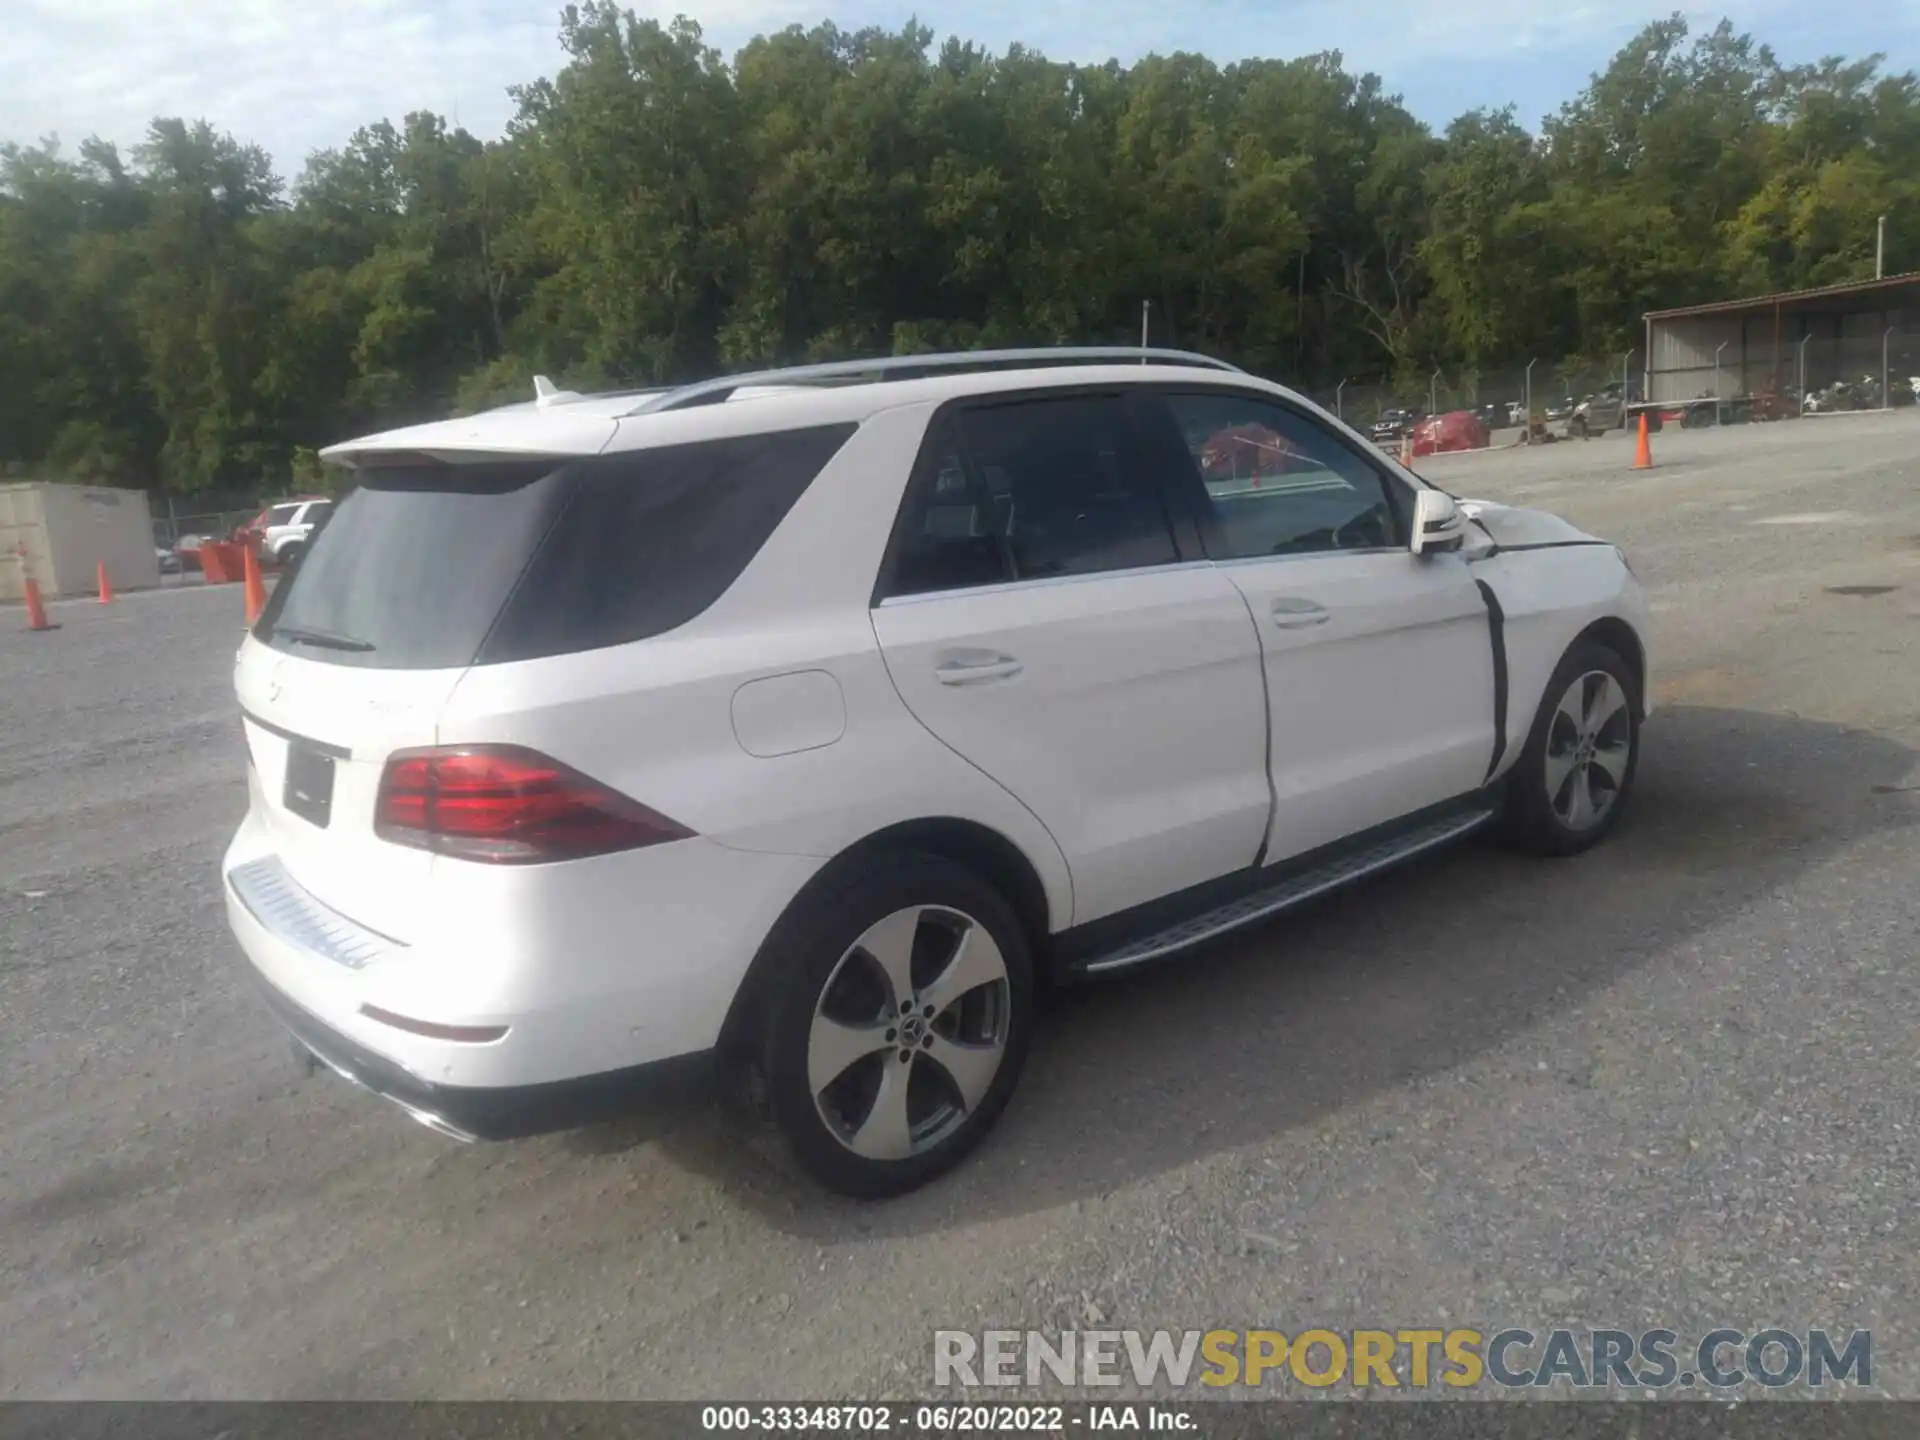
(295, 76)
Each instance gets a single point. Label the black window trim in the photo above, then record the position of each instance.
(1399, 494)
(1185, 537)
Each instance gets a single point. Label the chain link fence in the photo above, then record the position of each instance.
(177, 518)
(1502, 398)
(1822, 377)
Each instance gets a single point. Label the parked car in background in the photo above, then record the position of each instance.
(1559, 410)
(186, 550)
(1456, 430)
(279, 534)
(1392, 424)
(1606, 410)
(1494, 415)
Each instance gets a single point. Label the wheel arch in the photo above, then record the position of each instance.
(980, 848)
(1621, 638)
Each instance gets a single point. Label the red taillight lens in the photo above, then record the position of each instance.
(508, 806)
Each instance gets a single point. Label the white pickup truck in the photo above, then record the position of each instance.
(282, 532)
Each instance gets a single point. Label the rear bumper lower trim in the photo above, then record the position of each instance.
(287, 912)
(508, 1113)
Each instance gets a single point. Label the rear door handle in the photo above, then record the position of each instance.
(971, 667)
(1291, 612)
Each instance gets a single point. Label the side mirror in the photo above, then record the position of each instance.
(1438, 525)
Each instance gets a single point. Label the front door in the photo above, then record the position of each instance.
(1379, 663)
(1038, 615)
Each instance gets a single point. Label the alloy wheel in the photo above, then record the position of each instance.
(1589, 746)
(909, 1032)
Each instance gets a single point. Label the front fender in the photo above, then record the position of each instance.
(1549, 595)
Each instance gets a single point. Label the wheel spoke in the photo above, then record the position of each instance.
(833, 1045)
(976, 961)
(1573, 705)
(885, 1134)
(890, 943)
(1612, 760)
(972, 1067)
(1558, 767)
(1606, 702)
(1579, 811)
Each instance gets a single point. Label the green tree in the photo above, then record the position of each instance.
(178, 318)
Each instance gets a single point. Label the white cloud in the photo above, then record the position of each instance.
(294, 77)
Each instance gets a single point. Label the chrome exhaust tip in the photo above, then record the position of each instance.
(439, 1124)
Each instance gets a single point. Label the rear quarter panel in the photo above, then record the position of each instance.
(658, 719)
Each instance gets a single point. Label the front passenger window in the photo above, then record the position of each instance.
(1277, 483)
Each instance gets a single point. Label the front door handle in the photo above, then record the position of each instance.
(971, 667)
(1291, 612)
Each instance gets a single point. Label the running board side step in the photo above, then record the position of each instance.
(1293, 889)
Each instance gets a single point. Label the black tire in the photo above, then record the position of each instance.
(807, 953)
(290, 555)
(1536, 818)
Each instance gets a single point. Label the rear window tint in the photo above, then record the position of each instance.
(651, 538)
(441, 566)
(282, 514)
(412, 568)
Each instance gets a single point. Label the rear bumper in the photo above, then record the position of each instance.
(505, 1113)
(520, 1001)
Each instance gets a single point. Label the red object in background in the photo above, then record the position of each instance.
(1455, 430)
(249, 534)
(256, 587)
(221, 562)
(1244, 452)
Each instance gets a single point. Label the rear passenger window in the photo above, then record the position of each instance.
(948, 539)
(650, 539)
(1029, 490)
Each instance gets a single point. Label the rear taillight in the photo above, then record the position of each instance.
(508, 806)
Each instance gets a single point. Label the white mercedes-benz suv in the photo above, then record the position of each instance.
(799, 726)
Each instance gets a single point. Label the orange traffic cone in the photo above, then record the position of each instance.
(36, 612)
(256, 588)
(1643, 452)
(106, 585)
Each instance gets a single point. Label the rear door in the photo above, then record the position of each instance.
(1379, 663)
(1038, 615)
(357, 652)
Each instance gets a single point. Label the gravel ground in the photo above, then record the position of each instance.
(1672, 1083)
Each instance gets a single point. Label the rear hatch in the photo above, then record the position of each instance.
(431, 567)
(358, 650)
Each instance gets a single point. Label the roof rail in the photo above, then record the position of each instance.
(914, 367)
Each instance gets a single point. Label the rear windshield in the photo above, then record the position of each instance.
(440, 566)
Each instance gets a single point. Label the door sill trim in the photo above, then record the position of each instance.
(1295, 889)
